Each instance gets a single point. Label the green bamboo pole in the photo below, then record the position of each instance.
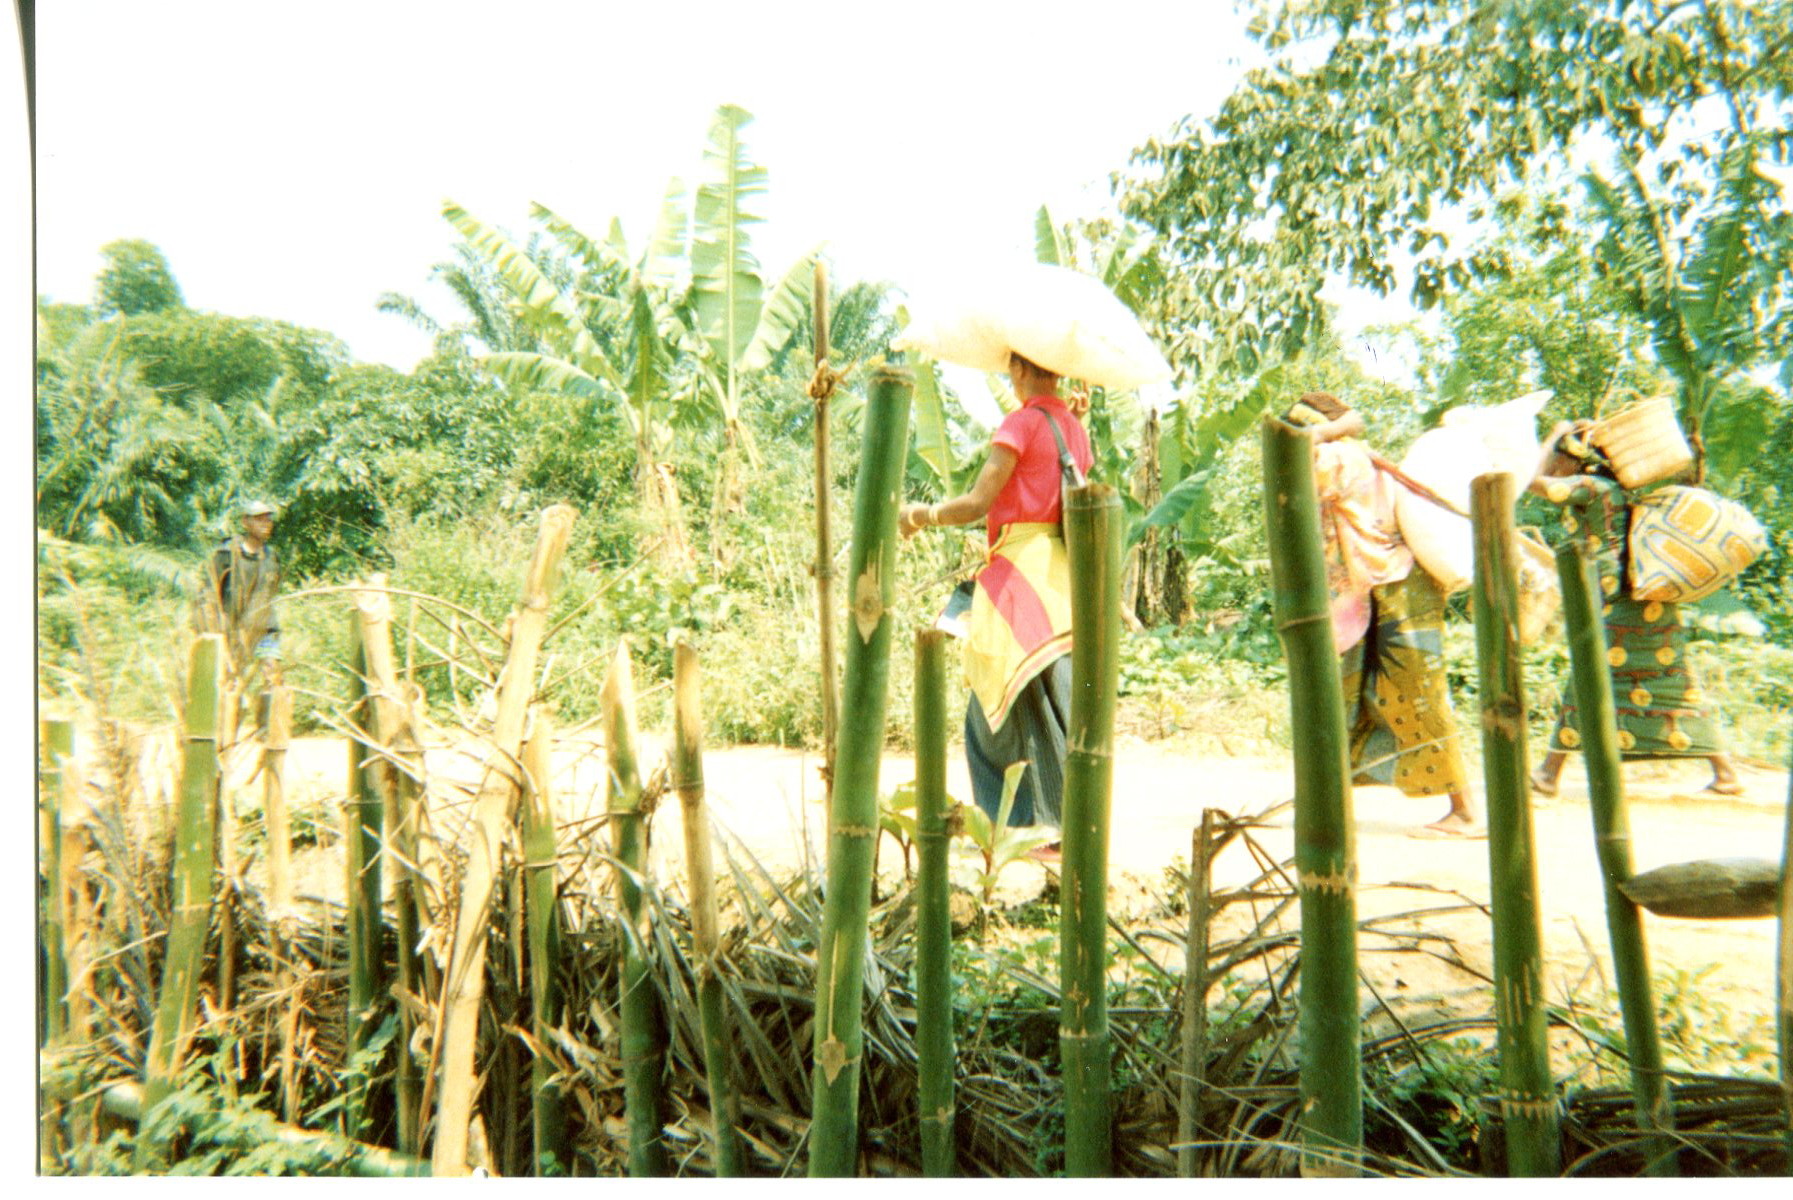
(1325, 850)
(393, 728)
(57, 738)
(464, 983)
(365, 811)
(195, 848)
(933, 924)
(1784, 978)
(853, 820)
(542, 912)
(1195, 998)
(1528, 1094)
(821, 388)
(1592, 680)
(644, 1049)
(688, 781)
(1093, 537)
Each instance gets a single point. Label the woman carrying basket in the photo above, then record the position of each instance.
(1018, 639)
(1658, 703)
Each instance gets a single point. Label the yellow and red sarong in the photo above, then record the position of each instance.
(1020, 618)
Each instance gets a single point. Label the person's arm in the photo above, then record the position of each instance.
(972, 506)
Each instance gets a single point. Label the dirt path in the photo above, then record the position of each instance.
(770, 799)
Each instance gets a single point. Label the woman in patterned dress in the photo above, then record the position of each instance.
(1657, 699)
(1387, 625)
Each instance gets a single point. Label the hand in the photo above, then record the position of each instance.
(1077, 400)
(911, 518)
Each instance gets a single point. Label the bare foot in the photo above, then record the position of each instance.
(1543, 784)
(1049, 853)
(1726, 787)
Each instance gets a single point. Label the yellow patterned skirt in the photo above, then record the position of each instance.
(1397, 700)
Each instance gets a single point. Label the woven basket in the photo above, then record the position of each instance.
(1643, 441)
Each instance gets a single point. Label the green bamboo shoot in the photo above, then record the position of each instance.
(195, 851)
(688, 782)
(853, 819)
(463, 987)
(821, 388)
(1528, 1095)
(57, 738)
(1325, 850)
(933, 914)
(396, 769)
(644, 1049)
(1592, 680)
(542, 913)
(1093, 537)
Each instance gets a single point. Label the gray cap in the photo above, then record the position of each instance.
(258, 508)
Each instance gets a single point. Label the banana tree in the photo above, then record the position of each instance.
(1714, 295)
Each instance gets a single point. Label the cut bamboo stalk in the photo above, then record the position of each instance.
(57, 739)
(688, 781)
(821, 389)
(1195, 1000)
(853, 818)
(365, 814)
(1325, 850)
(1093, 537)
(542, 911)
(1528, 1101)
(933, 911)
(464, 986)
(396, 769)
(195, 851)
(1592, 680)
(643, 1044)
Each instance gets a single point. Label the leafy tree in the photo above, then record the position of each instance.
(1378, 117)
(135, 279)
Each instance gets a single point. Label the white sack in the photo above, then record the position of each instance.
(1061, 319)
(1470, 442)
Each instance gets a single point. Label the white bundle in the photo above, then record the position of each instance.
(1469, 442)
(1060, 319)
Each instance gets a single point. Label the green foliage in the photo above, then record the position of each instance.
(1439, 1092)
(1376, 117)
(135, 279)
(1001, 844)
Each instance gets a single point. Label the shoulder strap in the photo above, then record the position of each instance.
(1067, 466)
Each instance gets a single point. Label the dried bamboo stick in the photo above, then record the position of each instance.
(464, 986)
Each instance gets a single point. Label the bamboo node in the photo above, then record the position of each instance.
(1296, 622)
(1340, 883)
(832, 1057)
(1519, 1104)
(823, 382)
(1504, 718)
(940, 1116)
(853, 830)
(868, 602)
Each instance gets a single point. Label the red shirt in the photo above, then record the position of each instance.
(1032, 492)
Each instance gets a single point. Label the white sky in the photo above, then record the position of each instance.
(291, 161)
